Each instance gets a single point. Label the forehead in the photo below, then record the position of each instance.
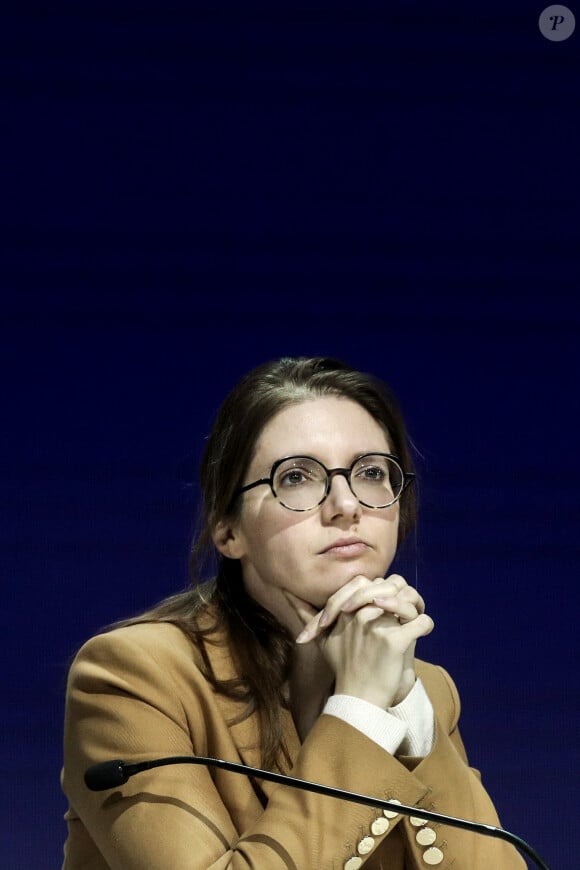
(331, 428)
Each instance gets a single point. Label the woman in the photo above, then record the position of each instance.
(298, 657)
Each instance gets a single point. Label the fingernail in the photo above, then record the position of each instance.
(302, 637)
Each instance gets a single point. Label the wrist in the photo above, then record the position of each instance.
(405, 686)
(375, 695)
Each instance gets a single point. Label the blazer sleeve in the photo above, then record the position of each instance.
(133, 697)
(454, 789)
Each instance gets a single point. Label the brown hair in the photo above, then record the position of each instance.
(259, 645)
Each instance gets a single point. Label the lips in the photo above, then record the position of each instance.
(345, 547)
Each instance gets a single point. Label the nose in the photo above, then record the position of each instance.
(341, 501)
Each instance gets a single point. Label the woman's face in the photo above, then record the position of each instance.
(280, 549)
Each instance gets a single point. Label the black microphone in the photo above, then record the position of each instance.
(111, 774)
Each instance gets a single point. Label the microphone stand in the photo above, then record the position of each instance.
(109, 774)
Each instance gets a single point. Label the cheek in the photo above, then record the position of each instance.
(271, 524)
(275, 537)
(387, 535)
(391, 521)
(290, 546)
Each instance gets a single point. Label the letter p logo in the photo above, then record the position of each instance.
(557, 23)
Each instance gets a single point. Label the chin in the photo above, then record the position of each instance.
(348, 572)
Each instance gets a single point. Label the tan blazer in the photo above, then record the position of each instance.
(137, 693)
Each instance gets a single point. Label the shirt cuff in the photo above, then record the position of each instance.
(407, 729)
(416, 711)
(386, 730)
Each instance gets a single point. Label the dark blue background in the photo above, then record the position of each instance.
(191, 189)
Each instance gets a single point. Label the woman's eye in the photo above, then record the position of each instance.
(373, 473)
(293, 478)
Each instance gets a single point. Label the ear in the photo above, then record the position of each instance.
(228, 540)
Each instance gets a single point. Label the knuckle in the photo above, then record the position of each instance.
(408, 593)
(357, 596)
(366, 614)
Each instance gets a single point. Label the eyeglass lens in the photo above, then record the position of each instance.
(300, 482)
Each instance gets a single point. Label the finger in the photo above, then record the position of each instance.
(356, 594)
(398, 581)
(416, 628)
(360, 592)
(366, 611)
(405, 599)
(379, 588)
(335, 603)
(404, 610)
(409, 593)
(403, 633)
(317, 622)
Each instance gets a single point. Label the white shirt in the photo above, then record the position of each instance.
(407, 729)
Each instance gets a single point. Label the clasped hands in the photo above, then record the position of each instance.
(367, 631)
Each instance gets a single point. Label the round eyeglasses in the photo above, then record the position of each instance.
(301, 483)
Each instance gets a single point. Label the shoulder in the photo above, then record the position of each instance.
(134, 670)
(442, 691)
(136, 654)
(149, 650)
(154, 639)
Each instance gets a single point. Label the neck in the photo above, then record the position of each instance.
(310, 684)
(311, 680)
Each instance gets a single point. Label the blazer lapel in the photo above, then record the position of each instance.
(244, 731)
